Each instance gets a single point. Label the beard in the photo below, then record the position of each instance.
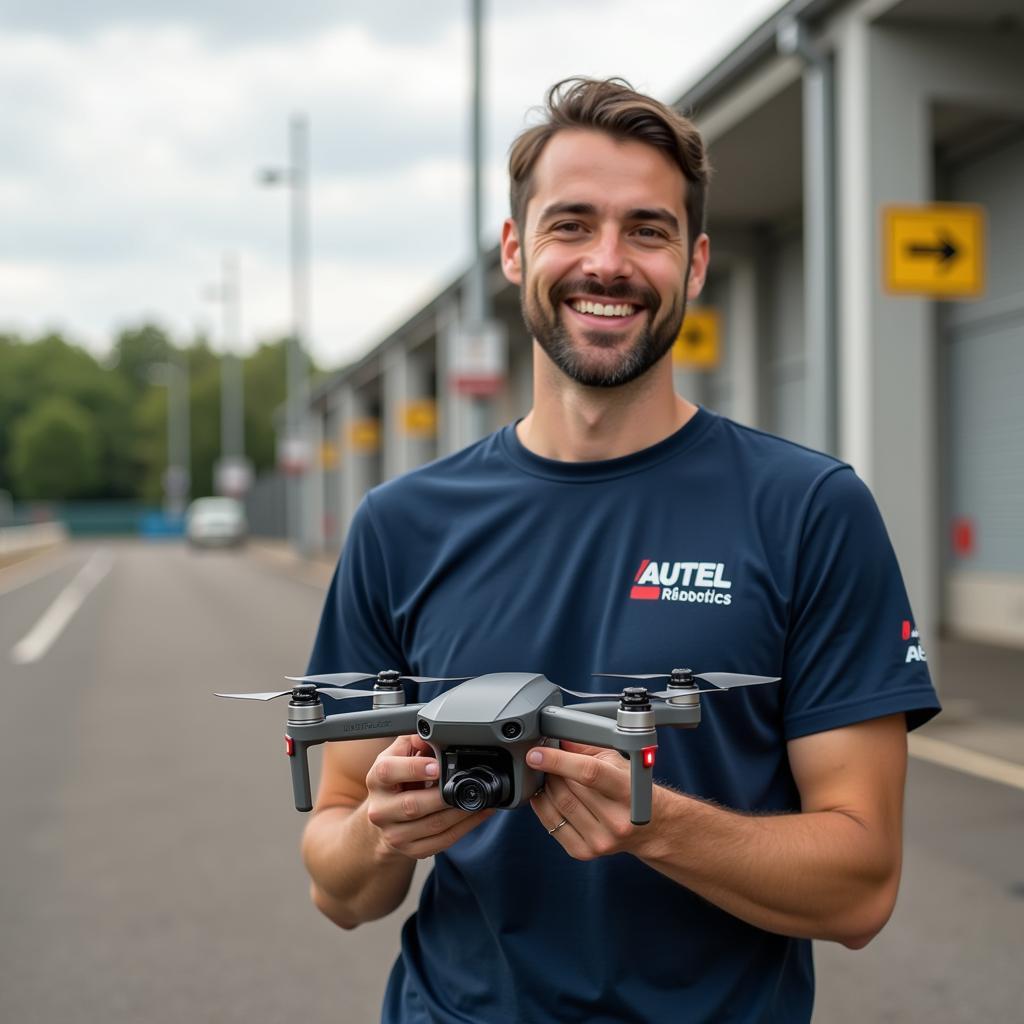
(650, 346)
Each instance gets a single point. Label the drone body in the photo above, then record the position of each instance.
(481, 730)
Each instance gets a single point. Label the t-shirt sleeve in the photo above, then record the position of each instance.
(853, 651)
(355, 632)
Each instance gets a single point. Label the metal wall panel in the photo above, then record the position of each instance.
(786, 358)
(983, 345)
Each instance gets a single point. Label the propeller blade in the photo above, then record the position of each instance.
(729, 680)
(255, 696)
(578, 693)
(437, 679)
(668, 694)
(622, 675)
(340, 679)
(332, 693)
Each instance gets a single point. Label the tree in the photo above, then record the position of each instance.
(265, 376)
(55, 451)
(136, 350)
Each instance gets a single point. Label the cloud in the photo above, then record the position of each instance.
(133, 133)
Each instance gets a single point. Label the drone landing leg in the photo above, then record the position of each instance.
(299, 762)
(641, 786)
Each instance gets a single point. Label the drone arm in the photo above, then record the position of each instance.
(589, 727)
(373, 723)
(579, 727)
(355, 725)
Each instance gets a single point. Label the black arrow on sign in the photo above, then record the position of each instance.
(945, 250)
(693, 336)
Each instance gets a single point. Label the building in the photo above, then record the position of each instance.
(827, 122)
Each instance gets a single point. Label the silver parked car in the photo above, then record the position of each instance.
(213, 522)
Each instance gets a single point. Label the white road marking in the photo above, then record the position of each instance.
(38, 640)
(949, 755)
(21, 573)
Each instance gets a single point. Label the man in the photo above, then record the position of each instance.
(778, 820)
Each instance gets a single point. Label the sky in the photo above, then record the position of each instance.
(133, 132)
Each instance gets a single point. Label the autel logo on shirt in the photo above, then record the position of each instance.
(915, 652)
(699, 582)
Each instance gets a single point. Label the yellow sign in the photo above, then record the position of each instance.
(329, 455)
(419, 417)
(364, 436)
(935, 250)
(698, 345)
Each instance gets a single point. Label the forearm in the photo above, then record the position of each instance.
(355, 877)
(822, 875)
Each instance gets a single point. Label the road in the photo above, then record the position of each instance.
(149, 865)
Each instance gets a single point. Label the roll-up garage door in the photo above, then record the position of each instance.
(983, 413)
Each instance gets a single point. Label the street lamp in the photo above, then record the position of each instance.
(233, 471)
(177, 478)
(294, 451)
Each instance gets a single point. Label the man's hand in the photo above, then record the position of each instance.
(405, 805)
(588, 788)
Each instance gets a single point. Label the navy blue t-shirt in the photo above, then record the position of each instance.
(720, 549)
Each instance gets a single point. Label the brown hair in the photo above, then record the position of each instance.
(612, 106)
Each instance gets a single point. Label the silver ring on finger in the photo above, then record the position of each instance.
(561, 824)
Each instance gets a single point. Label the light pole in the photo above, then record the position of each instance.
(177, 477)
(294, 452)
(233, 472)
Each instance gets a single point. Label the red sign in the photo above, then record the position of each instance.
(963, 537)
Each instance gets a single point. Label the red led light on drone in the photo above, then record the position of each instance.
(648, 756)
(289, 746)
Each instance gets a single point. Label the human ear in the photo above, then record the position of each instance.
(511, 253)
(698, 266)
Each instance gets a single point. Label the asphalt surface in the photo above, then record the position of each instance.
(149, 866)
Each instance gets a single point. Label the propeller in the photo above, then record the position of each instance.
(661, 695)
(719, 680)
(325, 690)
(334, 681)
(349, 678)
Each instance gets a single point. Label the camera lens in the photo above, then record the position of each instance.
(510, 730)
(474, 789)
(423, 727)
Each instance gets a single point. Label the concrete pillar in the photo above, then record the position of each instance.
(741, 318)
(349, 488)
(395, 395)
(314, 482)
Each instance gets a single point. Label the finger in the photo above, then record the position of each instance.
(582, 748)
(390, 771)
(547, 812)
(449, 836)
(412, 816)
(420, 746)
(594, 772)
(573, 806)
(599, 805)
(404, 805)
(550, 817)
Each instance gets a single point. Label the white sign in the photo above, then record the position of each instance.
(232, 476)
(293, 454)
(478, 359)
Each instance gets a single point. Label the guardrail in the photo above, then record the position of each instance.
(17, 542)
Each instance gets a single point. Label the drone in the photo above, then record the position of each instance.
(481, 729)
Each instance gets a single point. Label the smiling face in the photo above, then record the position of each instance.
(602, 263)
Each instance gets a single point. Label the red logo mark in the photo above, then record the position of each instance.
(906, 629)
(644, 593)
